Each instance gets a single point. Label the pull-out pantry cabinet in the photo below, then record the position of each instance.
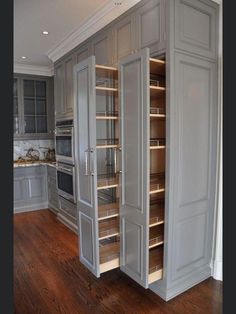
(146, 147)
(96, 154)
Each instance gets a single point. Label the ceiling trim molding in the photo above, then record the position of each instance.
(90, 26)
(33, 69)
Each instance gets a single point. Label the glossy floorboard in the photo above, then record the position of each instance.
(48, 278)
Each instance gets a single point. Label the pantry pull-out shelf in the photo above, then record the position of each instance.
(107, 143)
(156, 215)
(157, 66)
(106, 89)
(155, 264)
(107, 115)
(108, 228)
(157, 183)
(156, 236)
(157, 143)
(108, 211)
(109, 256)
(107, 182)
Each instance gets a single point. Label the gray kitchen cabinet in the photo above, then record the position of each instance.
(30, 188)
(67, 214)
(19, 190)
(150, 25)
(191, 174)
(64, 88)
(33, 107)
(135, 110)
(53, 201)
(96, 165)
(17, 125)
(83, 52)
(190, 167)
(123, 37)
(196, 27)
(152, 186)
(102, 47)
(69, 95)
(59, 90)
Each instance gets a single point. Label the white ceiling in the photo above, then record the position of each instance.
(59, 17)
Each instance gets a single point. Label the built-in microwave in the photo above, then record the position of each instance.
(66, 181)
(64, 141)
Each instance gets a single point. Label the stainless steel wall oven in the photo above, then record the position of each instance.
(65, 141)
(66, 181)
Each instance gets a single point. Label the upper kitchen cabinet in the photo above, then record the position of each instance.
(33, 102)
(83, 53)
(64, 88)
(102, 47)
(69, 63)
(59, 89)
(150, 26)
(16, 111)
(196, 27)
(123, 38)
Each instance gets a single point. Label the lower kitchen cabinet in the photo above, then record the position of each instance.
(67, 214)
(53, 202)
(30, 188)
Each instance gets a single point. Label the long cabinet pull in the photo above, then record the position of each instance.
(86, 162)
(117, 150)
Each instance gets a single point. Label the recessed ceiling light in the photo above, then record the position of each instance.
(45, 32)
(23, 57)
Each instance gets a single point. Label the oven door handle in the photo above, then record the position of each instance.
(63, 169)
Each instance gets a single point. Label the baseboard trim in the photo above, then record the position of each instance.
(172, 292)
(30, 208)
(217, 270)
(67, 223)
(53, 209)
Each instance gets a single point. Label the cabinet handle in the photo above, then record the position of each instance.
(118, 149)
(86, 162)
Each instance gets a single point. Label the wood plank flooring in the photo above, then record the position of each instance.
(49, 278)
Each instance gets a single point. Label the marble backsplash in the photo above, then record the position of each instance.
(21, 147)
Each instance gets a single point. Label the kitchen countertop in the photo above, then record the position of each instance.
(34, 163)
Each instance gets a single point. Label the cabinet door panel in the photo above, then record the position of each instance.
(69, 87)
(36, 188)
(85, 155)
(83, 53)
(195, 27)
(135, 165)
(195, 164)
(150, 26)
(19, 191)
(59, 90)
(124, 38)
(101, 48)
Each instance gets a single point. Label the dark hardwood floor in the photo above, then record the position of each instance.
(49, 278)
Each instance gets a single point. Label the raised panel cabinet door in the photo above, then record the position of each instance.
(69, 96)
(196, 27)
(36, 188)
(123, 38)
(86, 166)
(59, 90)
(150, 25)
(83, 53)
(19, 191)
(195, 167)
(134, 213)
(102, 48)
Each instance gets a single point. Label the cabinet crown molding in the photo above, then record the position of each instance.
(33, 69)
(90, 26)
